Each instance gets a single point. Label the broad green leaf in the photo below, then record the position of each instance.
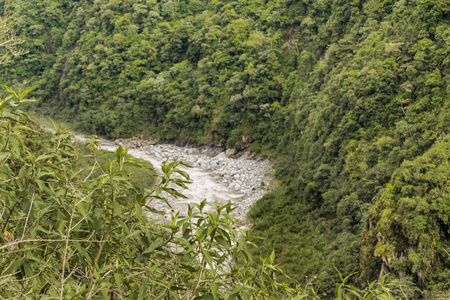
(214, 289)
(241, 245)
(208, 258)
(24, 171)
(118, 277)
(4, 155)
(16, 142)
(383, 297)
(153, 246)
(27, 268)
(135, 232)
(138, 209)
(183, 173)
(15, 265)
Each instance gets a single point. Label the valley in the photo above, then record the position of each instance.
(349, 101)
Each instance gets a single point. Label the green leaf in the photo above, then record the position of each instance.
(28, 100)
(174, 193)
(222, 242)
(97, 223)
(153, 246)
(15, 265)
(41, 185)
(27, 268)
(55, 127)
(354, 293)
(272, 257)
(208, 258)
(185, 164)
(214, 289)
(134, 295)
(237, 289)
(118, 277)
(45, 156)
(138, 209)
(135, 232)
(241, 245)
(82, 208)
(24, 171)
(21, 127)
(16, 143)
(183, 173)
(36, 259)
(4, 155)
(11, 91)
(383, 296)
(24, 93)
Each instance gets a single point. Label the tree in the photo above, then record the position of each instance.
(9, 41)
(408, 226)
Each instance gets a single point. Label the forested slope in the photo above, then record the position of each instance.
(344, 94)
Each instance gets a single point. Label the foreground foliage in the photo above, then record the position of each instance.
(69, 235)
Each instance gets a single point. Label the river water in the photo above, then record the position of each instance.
(216, 178)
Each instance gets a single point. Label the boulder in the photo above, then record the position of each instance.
(230, 152)
(221, 155)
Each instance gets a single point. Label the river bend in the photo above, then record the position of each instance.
(215, 177)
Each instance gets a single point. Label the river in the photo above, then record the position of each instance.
(215, 177)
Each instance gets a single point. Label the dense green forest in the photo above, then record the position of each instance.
(351, 98)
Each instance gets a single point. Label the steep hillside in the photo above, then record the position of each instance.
(342, 93)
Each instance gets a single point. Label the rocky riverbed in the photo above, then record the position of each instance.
(217, 176)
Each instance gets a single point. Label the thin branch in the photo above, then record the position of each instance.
(29, 212)
(63, 269)
(48, 241)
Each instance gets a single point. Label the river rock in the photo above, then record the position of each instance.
(230, 152)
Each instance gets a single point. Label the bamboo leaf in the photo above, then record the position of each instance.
(11, 91)
(26, 92)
